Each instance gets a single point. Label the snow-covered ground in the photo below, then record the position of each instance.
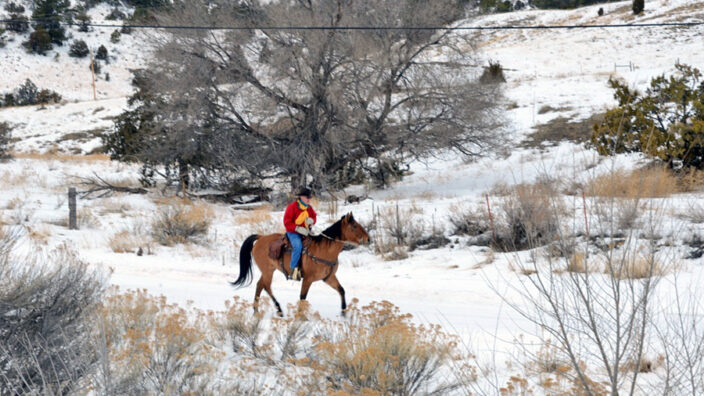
(458, 286)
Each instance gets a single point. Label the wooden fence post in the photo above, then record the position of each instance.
(491, 219)
(72, 223)
(586, 219)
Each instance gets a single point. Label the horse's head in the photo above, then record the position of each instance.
(353, 231)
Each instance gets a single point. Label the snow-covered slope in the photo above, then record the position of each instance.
(568, 69)
(564, 71)
(69, 76)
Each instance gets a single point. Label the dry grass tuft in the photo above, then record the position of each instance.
(652, 182)
(86, 219)
(645, 365)
(38, 234)
(14, 203)
(381, 351)
(468, 220)
(528, 217)
(390, 251)
(501, 189)
(114, 206)
(259, 220)
(181, 222)
(244, 329)
(155, 347)
(578, 263)
(691, 180)
(520, 268)
(548, 361)
(197, 251)
(400, 229)
(256, 216)
(26, 176)
(127, 241)
(638, 267)
(426, 195)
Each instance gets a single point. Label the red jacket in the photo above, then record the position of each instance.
(296, 216)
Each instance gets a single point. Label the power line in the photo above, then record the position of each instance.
(363, 28)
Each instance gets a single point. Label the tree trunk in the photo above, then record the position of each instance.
(183, 178)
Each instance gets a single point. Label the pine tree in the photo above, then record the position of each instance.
(39, 41)
(115, 36)
(79, 49)
(48, 15)
(665, 122)
(27, 93)
(102, 53)
(638, 6)
(5, 140)
(17, 23)
(83, 20)
(14, 8)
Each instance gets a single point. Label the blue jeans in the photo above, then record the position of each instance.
(297, 246)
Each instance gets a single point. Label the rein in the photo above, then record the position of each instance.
(330, 264)
(314, 258)
(338, 240)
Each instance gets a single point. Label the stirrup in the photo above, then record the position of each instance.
(296, 274)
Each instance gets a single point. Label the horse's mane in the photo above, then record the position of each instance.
(333, 232)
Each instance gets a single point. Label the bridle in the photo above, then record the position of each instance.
(330, 264)
(339, 240)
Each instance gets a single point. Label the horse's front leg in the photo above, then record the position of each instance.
(335, 284)
(305, 287)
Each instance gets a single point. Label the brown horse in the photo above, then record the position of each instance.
(318, 260)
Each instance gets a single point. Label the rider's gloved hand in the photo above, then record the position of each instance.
(302, 230)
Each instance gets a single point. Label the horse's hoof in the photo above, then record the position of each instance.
(281, 314)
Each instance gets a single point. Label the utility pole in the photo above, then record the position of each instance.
(92, 73)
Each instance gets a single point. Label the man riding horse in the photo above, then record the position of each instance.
(299, 217)
(320, 259)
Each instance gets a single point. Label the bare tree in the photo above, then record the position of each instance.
(304, 103)
(591, 296)
(681, 333)
(5, 141)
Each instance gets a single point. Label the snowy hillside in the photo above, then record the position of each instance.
(550, 73)
(462, 286)
(71, 77)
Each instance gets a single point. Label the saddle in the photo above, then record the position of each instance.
(278, 247)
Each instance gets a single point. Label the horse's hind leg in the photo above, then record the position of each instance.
(267, 287)
(265, 283)
(260, 286)
(335, 284)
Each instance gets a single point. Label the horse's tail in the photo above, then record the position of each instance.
(245, 277)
